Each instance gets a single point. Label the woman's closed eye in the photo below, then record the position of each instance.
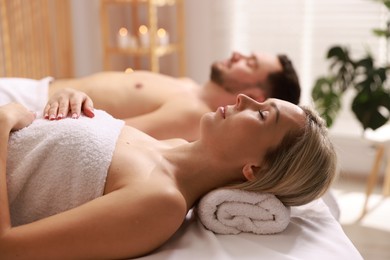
(263, 114)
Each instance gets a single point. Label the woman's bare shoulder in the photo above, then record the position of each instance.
(156, 214)
(158, 196)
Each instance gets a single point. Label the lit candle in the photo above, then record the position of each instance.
(123, 38)
(163, 37)
(129, 70)
(144, 36)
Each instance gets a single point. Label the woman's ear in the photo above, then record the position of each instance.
(249, 171)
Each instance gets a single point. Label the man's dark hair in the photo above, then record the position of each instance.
(284, 84)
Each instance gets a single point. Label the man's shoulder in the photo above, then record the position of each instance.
(186, 79)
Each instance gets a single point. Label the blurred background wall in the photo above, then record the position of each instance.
(36, 38)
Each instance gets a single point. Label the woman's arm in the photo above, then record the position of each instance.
(13, 116)
(121, 224)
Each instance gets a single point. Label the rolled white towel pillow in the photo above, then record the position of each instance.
(232, 211)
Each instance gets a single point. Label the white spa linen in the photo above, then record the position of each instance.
(31, 93)
(53, 166)
(232, 211)
(313, 233)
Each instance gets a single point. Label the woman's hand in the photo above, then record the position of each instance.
(68, 101)
(14, 116)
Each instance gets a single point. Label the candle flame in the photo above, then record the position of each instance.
(161, 32)
(123, 31)
(129, 70)
(143, 29)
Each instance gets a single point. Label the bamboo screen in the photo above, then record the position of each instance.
(35, 39)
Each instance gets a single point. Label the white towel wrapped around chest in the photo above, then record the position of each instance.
(53, 166)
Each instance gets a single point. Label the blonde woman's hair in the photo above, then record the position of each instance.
(301, 168)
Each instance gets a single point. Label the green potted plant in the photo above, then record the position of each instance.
(371, 104)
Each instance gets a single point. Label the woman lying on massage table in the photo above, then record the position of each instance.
(142, 188)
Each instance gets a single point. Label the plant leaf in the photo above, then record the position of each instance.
(368, 108)
(338, 52)
(367, 63)
(381, 33)
(326, 99)
(385, 2)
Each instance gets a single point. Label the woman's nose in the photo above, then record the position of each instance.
(243, 101)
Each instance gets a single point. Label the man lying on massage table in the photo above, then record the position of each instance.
(93, 188)
(166, 107)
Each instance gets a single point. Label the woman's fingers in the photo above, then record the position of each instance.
(69, 103)
(88, 107)
(46, 111)
(63, 109)
(51, 111)
(57, 109)
(18, 116)
(75, 106)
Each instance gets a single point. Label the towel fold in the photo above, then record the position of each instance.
(29, 92)
(53, 166)
(232, 211)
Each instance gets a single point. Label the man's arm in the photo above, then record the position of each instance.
(176, 119)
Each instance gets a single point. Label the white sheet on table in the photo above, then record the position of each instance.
(313, 233)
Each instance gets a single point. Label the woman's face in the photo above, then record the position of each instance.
(246, 130)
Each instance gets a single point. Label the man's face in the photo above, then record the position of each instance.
(240, 72)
